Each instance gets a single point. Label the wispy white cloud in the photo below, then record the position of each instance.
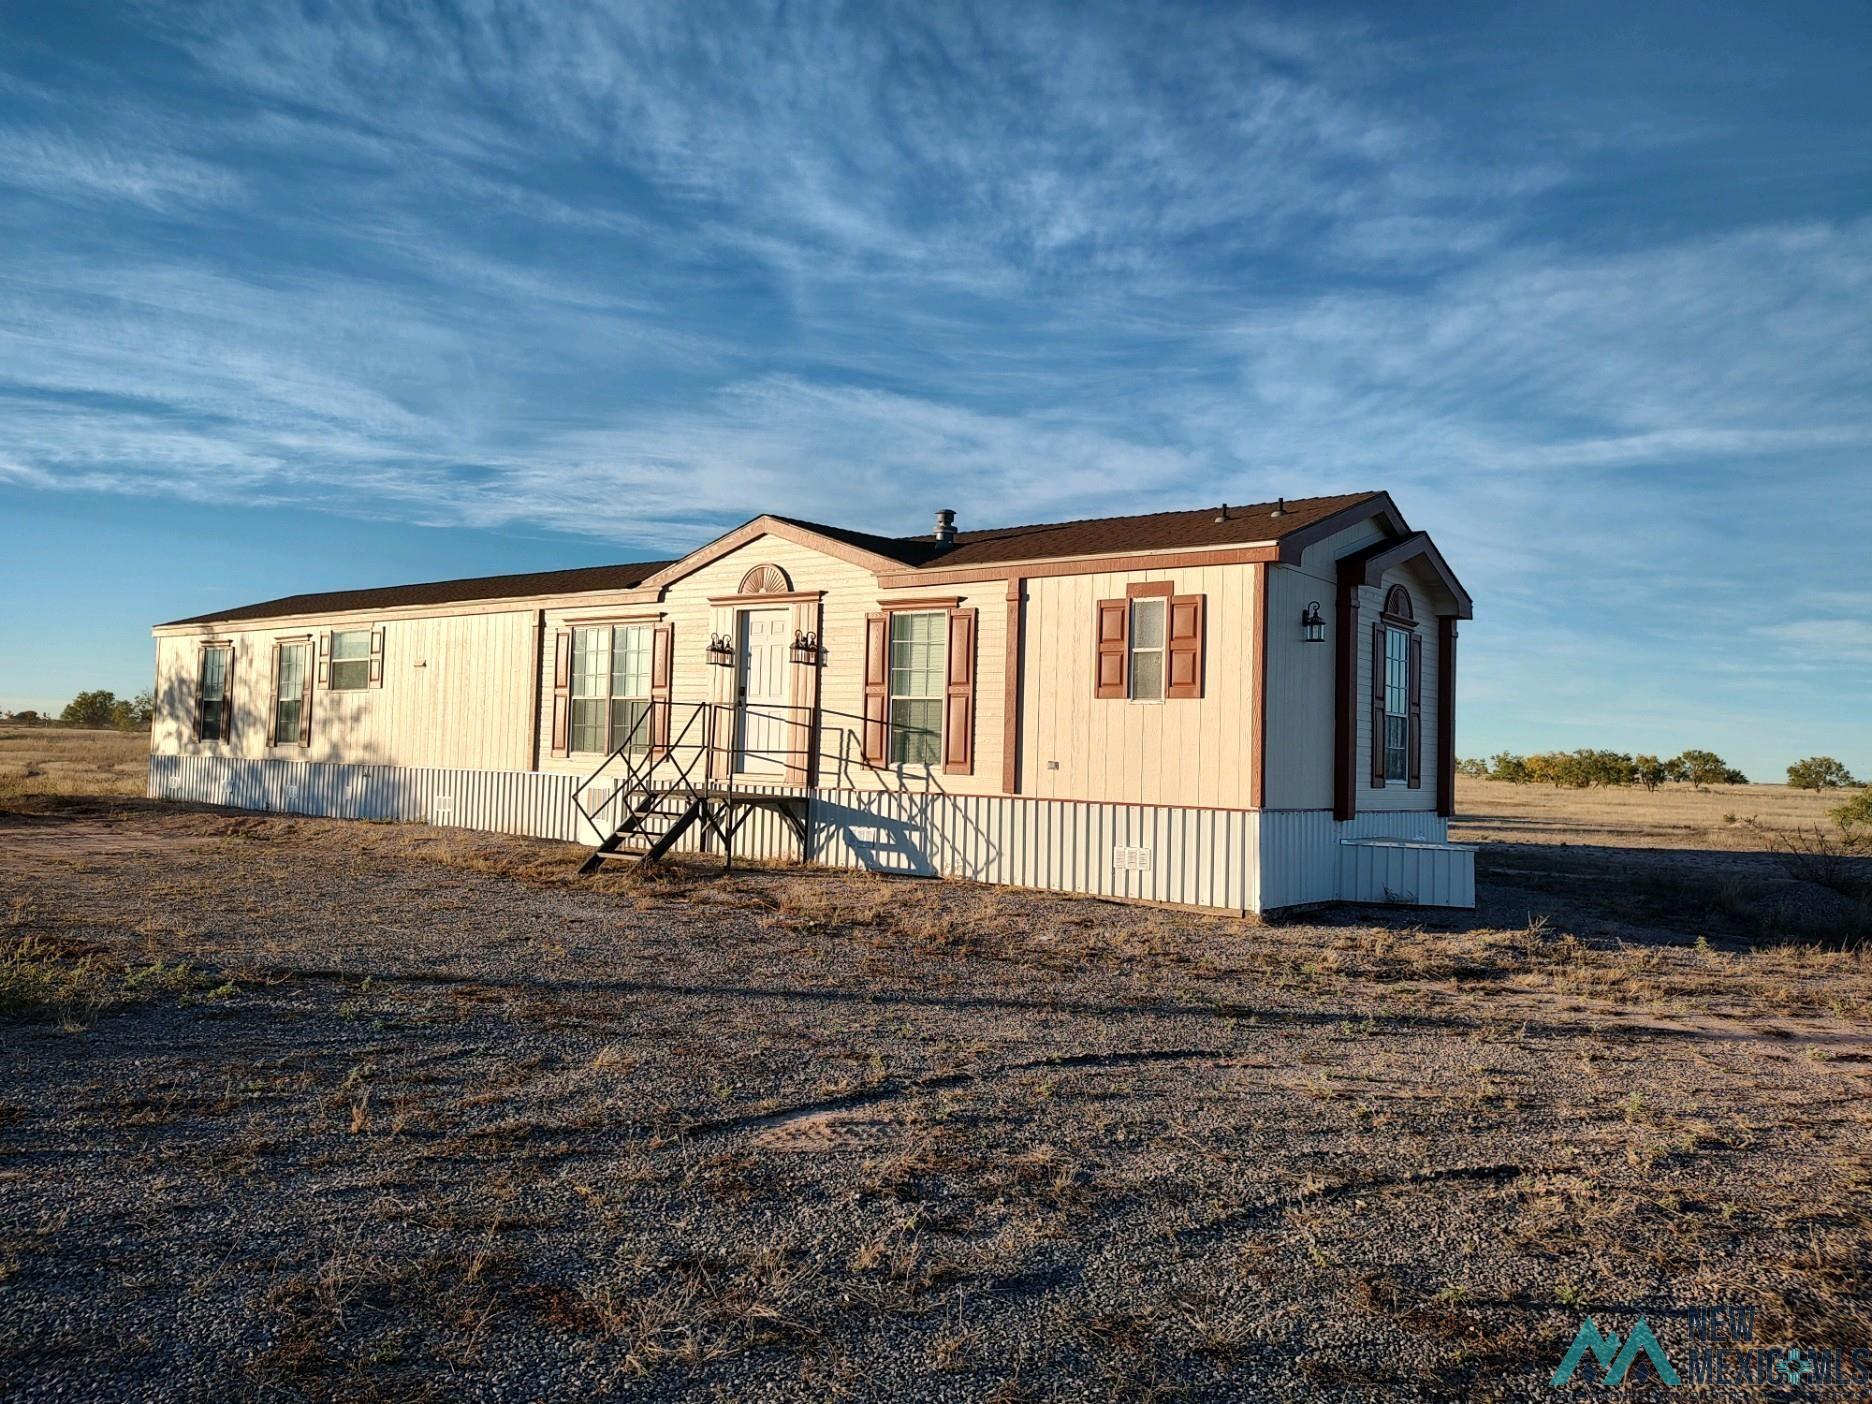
(67, 167)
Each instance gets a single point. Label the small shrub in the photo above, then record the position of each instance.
(1833, 861)
(1855, 817)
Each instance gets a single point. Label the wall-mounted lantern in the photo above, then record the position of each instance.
(1312, 625)
(805, 646)
(720, 651)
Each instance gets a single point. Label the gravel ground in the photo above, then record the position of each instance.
(350, 1111)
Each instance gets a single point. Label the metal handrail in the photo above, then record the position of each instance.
(638, 778)
(832, 744)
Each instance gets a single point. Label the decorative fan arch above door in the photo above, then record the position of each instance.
(766, 579)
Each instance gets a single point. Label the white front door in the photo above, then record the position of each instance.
(761, 729)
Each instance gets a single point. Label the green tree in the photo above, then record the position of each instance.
(1650, 772)
(1708, 768)
(1820, 773)
(133, 713)
(92, 709)
(1475, 768)
(1512, 768)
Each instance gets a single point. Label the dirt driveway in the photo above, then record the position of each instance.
(294, 1109)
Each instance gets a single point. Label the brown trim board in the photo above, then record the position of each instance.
(1345, 700)
(1011, 688)
(1446, 715)
(1258, 710)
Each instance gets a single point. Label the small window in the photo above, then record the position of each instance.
(1397, 705)
(350, 660)
(611, 688)
(289, 694)
(212, 703)
(1147, 649)
(918, 644)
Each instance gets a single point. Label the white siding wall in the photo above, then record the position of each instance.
(1300, 692)
(456, 691)
(1075, 745)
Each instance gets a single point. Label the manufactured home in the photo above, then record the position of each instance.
(1234, 707)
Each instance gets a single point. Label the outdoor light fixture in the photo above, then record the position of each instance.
(720, 651)
(1312, 625)
(805, 646)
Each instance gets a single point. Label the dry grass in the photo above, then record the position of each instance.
(1675, 816)
(791, 1133)
(50, 761)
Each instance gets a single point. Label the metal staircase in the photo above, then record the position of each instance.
(671, 757)
(660, 796)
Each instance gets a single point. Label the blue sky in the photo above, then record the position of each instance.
(348, 294)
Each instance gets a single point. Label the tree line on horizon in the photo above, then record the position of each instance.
(1584, 768)
(97, 710)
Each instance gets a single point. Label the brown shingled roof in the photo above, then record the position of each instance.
(1197, 529)
(481, 587)
(1192, 529)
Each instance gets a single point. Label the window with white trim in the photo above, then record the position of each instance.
(289, 693)
(1146, 669)
(1397, 705)
(350, 660)
(918, 668)
(611, 688)
(212, 699)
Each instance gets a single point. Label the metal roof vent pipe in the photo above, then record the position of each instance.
(945, 526)
(1280, 508)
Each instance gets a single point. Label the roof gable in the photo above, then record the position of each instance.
(853, 546)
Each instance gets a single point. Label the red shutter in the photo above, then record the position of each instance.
(305, 698)
(876, 739)
(661, 659)
(562, 693)
(959, 714)
(1377, 707)
(1416, 712)
(1184, 647)
(324, 658)
(376, 657)
(1112, 645)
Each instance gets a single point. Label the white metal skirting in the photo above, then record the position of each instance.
(504, 802)
(1413, 874)
(1299, 859)
(1237, 860)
